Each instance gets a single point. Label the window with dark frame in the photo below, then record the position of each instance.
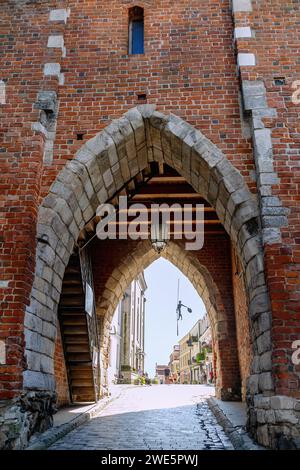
(136, 30)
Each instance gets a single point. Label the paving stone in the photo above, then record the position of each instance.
(152, 418)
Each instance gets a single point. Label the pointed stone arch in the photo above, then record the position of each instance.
(139, 259)
(98, 171)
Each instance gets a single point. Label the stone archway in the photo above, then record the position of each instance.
(139, 259)
(102, 166)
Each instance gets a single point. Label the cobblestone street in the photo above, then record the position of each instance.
(163, 417)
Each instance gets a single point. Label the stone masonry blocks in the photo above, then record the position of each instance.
(241, 6)
(59, 15)
(94, 169)
(246, 59)
(255, 102)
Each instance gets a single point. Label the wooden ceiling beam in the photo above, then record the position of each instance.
(167, 180)
(171, 222)
(177, 196)
(179, 209)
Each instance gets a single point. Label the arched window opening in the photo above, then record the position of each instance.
(136, 30)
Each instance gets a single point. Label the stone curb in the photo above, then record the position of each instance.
(54, 434)
(238, 435)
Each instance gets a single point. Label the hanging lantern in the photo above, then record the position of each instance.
(159, 237)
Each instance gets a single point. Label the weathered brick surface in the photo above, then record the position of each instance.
(62, 386)
(116, 264)
(189, 69)
(244, 340)
(276, 46)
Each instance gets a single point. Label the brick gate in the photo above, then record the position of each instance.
(96, 174)
(221, 78)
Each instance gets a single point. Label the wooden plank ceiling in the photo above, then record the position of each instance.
(159, 184)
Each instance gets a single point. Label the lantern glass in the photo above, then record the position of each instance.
(159, 237)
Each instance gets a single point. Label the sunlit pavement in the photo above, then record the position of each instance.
(158, 417)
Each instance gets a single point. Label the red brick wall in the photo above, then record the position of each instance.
(216, 258)
(276, 46)
(102, 81)
(189, 68)
(244, 345)
(24, 30)
(62, 387)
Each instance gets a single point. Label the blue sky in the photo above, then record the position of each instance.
(160, 329)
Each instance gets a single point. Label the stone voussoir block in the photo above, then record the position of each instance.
(47, 365)
(259, 304)
(102, 145)
(71, 183)
(264, 342)
(233, 181)
(138, 125)
(49, 330)
(252, 384)
(251, 248)
(95, 175)
(33, 322)
(238, 197)
(254, 267)
(125, 128)
(158, 122)
(221, 211)
(255, 366)
(33, 340)
(193, 137)
(265, 361)
(114, 131)
(47, 346)
(245, 212)
(84, 155)
(45, 253)
(209, 156)
(61, 208)
(33, 360)
(79, 169)
(223, 194)
(146, 110)
(34, 380)
(265, 382)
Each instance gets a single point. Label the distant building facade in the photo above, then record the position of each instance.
(114, 367)
(184, 359)
(206, 365)
(162, 374)
(195, 354)
(127, 335)
(174, 365)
